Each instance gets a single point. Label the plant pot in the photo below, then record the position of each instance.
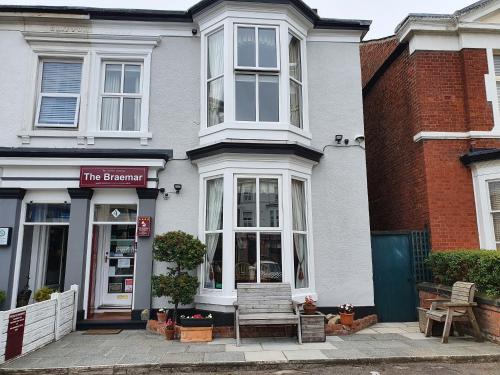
(196, 334)
(169, 334)
(346, 319)
(309, 309)
(161, 317)
(205, 322)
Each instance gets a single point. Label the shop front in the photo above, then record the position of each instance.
(74, 220)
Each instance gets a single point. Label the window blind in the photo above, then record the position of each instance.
(59, 93)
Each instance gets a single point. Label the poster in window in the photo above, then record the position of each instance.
(115, 288)
(129, 285)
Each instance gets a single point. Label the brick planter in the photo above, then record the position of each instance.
(272, 331)
(487, 312)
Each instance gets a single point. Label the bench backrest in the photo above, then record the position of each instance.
(462, 292)
(264, 298)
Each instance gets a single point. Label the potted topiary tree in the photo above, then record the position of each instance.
(183, 253)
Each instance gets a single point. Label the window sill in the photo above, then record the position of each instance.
(83, 137)
(255, 131)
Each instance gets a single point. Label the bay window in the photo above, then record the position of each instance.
(494, 191)
(121, 97)
(213, 233)
(59, 94)
(256, 74)
(256, 230)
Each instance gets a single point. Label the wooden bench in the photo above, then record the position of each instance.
(456, 309)
(265, 304)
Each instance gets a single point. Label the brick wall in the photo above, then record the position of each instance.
(415, 185)
(373, 53)
(395, 164)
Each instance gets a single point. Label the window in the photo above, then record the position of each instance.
(121, 97)
(59, 98)
(494, 189)
(295, 70)
(256, 74)
(215, 78)
(213, 233)
(258, 235)
(299, 230)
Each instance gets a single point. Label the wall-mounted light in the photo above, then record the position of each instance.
(177, 189)
(338, 138)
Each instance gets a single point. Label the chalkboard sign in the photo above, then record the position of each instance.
(15, 333)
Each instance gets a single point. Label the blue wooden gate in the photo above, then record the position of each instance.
(398, 265)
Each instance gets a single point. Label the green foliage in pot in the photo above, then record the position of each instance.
(183, 253)
(3, 296)
(481, 267)
(43, 294)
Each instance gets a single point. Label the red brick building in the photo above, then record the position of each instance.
(432, 126)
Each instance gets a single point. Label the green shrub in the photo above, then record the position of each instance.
(183, 253)
(3, 295)
(43, 294)
(481, 267)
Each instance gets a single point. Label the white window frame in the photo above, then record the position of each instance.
(222, 75)
(205, 231)
(258, 230)
(257, 68)
(121, 95)
(300, 83)
(492, 213)
(306, 232)
(40, 95)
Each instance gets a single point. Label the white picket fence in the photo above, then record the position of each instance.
(45, 322)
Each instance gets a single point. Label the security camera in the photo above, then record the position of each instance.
(194, 31)
(177, 188)
(359, 138)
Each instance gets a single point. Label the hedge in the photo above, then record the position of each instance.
(481, 267)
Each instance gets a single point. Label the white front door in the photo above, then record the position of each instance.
(118, 266)
(117, 245)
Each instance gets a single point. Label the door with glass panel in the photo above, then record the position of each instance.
(44, 247)
(258, 230)
(115, 236)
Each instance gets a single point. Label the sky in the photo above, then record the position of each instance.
(385, 14)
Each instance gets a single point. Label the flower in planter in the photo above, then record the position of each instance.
(346, 308)
(309, 301)
(169, 326)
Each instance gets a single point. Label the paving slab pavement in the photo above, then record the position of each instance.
(138, 350)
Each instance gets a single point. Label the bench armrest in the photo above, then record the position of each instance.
(437, 300)
(296, 306)
(459, 304)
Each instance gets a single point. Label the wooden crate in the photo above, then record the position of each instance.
(196, 334)
(313, 327)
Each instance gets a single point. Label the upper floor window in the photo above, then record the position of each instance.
(59, 94)
(295, 72)
(215, 78)
(121, 97)
(256, 74)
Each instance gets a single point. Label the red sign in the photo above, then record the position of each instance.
(15, 333)
(113, 177)
(144, 226)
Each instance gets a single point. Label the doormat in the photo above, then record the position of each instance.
(102, 331)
